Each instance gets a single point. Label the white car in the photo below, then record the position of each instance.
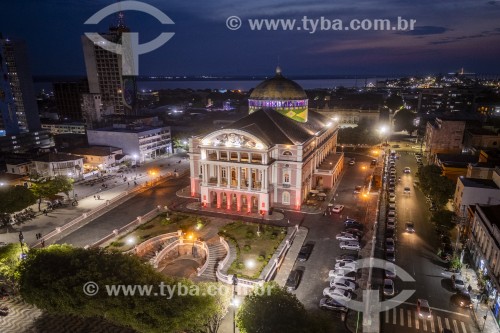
(407, 170)
(345, 236)
(340, 273)
(390, 270)
(392, 199)
(350, 245)
(346, 258)
(391, 225)
(347, 266)
(388, 287)
(337, 294)
(406, 190)
(344, 284)
(337, 208)
(423, 309)
(392, 195)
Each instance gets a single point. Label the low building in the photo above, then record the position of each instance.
(471, 191)
(64, 128)
(484, 245)
(482, 170)
(98, 157)
(444, 135)
(139, 142)
(475, 138)
(24, 142)
(58, 164)
(454, 165)
(18, 166)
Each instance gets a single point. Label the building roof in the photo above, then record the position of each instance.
(95, 150)
(278, 88)
(492, 213)
(481, 131)
(137, 129)
(275, 128)
(478, 182)
(56, 157)
(456, 160)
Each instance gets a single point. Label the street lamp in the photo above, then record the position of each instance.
(21, 240)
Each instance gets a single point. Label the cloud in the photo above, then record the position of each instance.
(426, 30)
(453, 39)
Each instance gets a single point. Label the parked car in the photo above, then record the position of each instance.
(342, 283)
(392, 199)
(350, 245)
(352, 266)
(407, 170)
(293, 280)
(358, 189)
(423, 309)
(390, 255)
(388, 287)
(337, 294)
(391, 213)
(392, 206)
(406, 190)
(345, 236)
(391, 224)
(352, 162)
(327, 303)
(353, 224)
(390, 244)
(390, 233)
(337, 208)
(457, 282)
(354, 231)
(305, 252)
(340, 273)
(390, 270)
(346, 258)
(410, 228)
(373, 163)
(462, 299)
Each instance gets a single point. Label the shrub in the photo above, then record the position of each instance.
(117, 243)
(240, 265)
(261, 258)
(250, 234)
(273, 236)
(247, 248)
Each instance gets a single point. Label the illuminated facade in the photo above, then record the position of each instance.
(270, 158)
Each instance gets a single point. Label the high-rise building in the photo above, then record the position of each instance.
(68, 97)
(20, 128)
(18, 108)
(104, 71)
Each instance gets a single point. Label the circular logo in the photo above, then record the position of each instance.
(233, 23)
(90, 288)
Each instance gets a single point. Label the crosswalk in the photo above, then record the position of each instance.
(410, 319)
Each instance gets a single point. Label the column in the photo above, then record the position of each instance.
(249, 177)
(265, 182)
(238, 170)
(239, 157)
(238, 202)
(228, 201)
(217, 171)
(219, 199)
(249, 203)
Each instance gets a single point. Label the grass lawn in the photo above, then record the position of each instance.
(158, 226)
(253, 251)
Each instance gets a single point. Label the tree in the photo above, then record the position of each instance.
(272, 309)
(394, 102)
(15, 198)
(62, 184)
(403, 120)
(364, 133)
(9, 260)
(434, 184)
(53, 279)
(218, 306)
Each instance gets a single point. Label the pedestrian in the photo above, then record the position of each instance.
(45, 212)
(43, 242)
(98, 197)
(128, 184)
(95, 197)
(288, 221)
(469, 288)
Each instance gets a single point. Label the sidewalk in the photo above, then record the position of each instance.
(479, 309)
(86, 202)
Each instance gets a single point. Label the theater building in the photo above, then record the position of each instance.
(272, 157)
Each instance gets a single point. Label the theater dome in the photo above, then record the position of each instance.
(281, 94)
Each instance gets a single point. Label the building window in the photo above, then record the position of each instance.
(286, 178)
(287, 153)
(285, 198)
(223, 172)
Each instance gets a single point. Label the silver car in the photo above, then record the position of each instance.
(350, 245)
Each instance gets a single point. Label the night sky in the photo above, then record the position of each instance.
(449, 34)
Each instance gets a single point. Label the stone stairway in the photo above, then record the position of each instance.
(217, 252)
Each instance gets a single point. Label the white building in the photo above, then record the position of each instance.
(471, 191)
(139, 142)
(99, 157)
(271, 158)
(484, 246)
(58, 164)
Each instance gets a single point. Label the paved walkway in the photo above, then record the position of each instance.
(291, 257)
(45, 224)
(479, 309)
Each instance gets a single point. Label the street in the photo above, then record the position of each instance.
(417, 254)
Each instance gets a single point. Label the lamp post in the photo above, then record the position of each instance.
(234, 302)
(21, 240)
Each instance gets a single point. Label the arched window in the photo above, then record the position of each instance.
(285, 198)
(286, 178)
(287, 153)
